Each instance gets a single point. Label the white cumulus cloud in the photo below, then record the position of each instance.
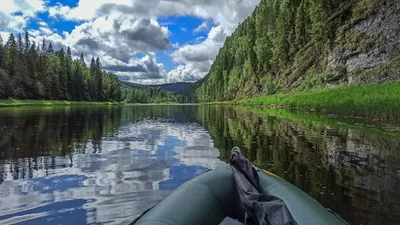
(127, 36)
(28, 9)
(202, 27)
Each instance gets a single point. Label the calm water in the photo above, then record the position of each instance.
(106, 165)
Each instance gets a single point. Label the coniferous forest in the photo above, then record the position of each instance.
(286, 45)
(37, 71)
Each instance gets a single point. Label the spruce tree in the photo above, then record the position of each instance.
(21, 46)
(11, 56)
(92, 81)
(99, 81)
(50, 49)
(27, 42)
(70, 79)
(1, 53)
(82, 59)
(44, 46)
(32, 56)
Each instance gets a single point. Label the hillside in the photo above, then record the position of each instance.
(299, 45)
(171, 87)
(165, 93)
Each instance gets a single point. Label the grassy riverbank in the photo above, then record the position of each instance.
(14, 103)
(373, 100)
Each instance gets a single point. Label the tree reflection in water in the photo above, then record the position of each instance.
(96, 165)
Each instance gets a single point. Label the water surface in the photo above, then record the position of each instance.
(106, 165)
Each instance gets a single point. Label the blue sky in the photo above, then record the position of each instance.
(142, 41)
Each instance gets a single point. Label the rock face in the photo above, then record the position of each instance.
(368, 50)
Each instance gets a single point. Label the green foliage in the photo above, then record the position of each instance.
(149, 96)
(4, 82)
(15, 102)
(270, 87)
(374, 100)
(357, 40)
(277, 45)
(30, 72)
(312, 82)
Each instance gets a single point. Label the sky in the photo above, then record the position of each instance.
(142, 41)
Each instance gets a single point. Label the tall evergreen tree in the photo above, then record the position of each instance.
(21, 46)
(32, 56)
(82, 59)
(98, 81)
(11, 56)
(50, 49)
(62, 76)
(27, 42)
(44, 46)
(1, 53)
(92, 81)
(70, 78)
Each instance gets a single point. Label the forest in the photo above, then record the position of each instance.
(38, 72)
(282, 46)
(150, 95)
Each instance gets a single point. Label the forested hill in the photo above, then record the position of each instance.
(304, 44)
(171, 87)
(30, 71)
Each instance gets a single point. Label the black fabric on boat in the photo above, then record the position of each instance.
(261, 209)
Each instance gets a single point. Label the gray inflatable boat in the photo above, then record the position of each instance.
(213, 197)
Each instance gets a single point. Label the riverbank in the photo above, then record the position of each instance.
(373, 100)
(15, 103)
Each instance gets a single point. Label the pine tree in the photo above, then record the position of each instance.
(27, 42)
(92, 66)
(32, 56)
(5, 89)
(82, 59)
(50, 49)
(21, 80)
(62, 76)
(44, 46)
(300, 26)
(99, 81)
(92, 81)
(1, 53)
(21, 46)
(70, 78)
(11, 56)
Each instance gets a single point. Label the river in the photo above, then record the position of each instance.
(106, 165)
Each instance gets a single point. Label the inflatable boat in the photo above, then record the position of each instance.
(213, 196)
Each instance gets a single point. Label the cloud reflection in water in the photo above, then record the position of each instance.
(110, 182)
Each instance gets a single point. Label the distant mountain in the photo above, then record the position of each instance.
(172, 87)
(129, 85)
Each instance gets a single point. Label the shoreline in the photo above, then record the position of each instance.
(20, 103)
(376, 101)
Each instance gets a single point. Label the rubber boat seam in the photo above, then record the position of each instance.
(158, 220)
(278, 185)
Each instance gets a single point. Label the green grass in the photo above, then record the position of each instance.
(373, 100)
(14, 103)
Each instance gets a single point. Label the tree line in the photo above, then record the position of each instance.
(275, 48)
(151, 95)
(31, 71)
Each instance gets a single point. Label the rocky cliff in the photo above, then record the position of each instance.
(288, 45)
(368, 49)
